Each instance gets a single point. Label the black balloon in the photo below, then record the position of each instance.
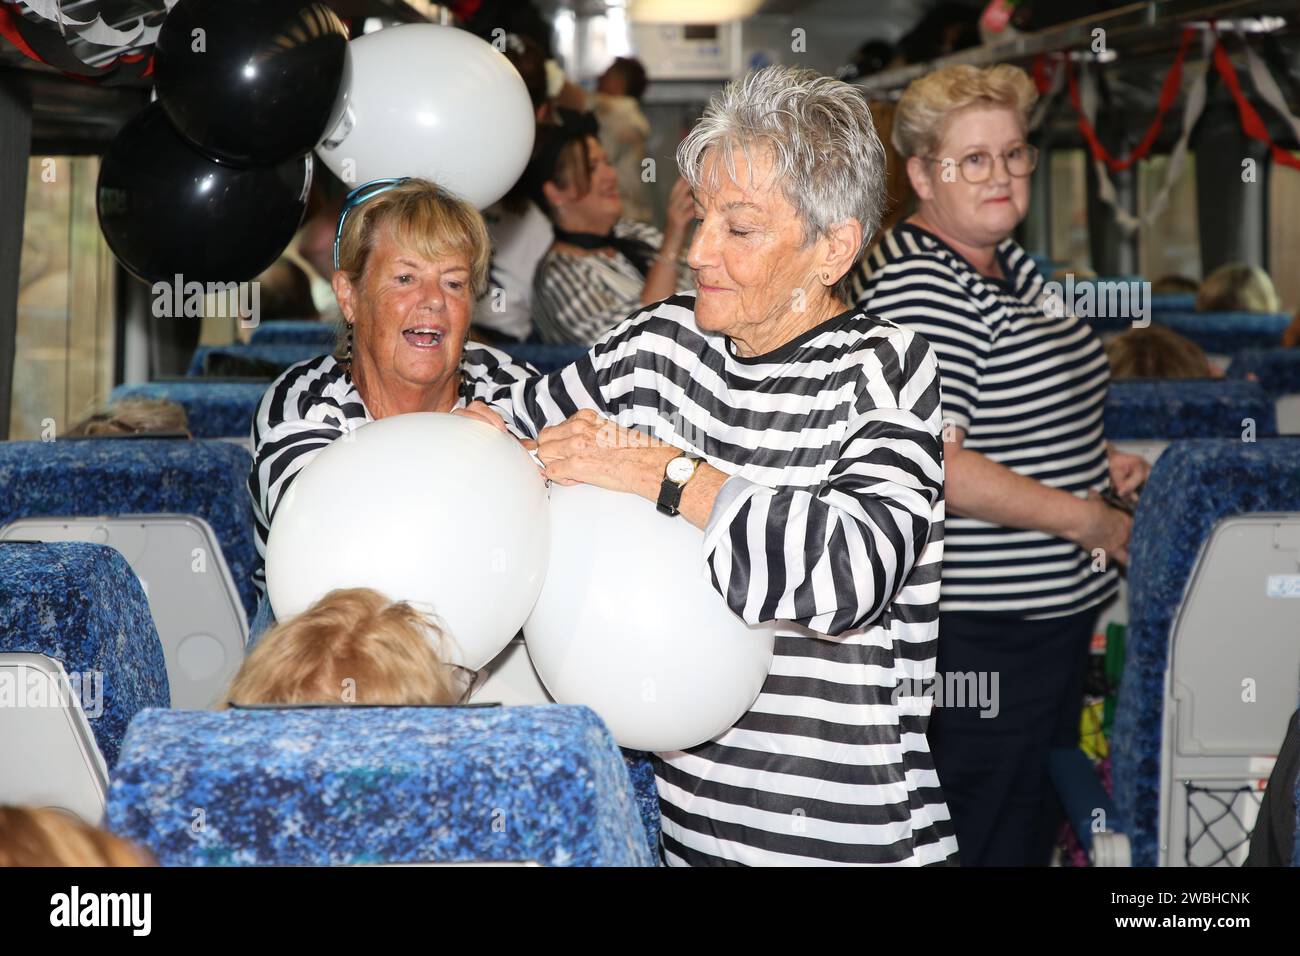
(167, 209)
(252, 82)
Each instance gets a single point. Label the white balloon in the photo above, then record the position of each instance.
(629, 624)
(434, 102)
(439, 510)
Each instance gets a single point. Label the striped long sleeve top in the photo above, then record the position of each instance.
(1027, 388)
(831, 523)
(316, 402)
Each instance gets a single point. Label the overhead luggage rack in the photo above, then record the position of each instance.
(1138, 29)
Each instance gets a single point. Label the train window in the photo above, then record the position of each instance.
(1170, 244)
(1284, 233)
(66, 291)
(1069, 214)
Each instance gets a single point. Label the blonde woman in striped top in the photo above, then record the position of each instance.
(1031, 549)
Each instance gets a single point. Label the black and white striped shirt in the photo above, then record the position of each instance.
(831, 524)
(1027, 389)
(577, 299)
(314, 403)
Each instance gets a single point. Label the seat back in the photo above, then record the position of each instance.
(1295, 843)
(192, 597)
(1164, 302)
(294, 332)
(1181, 707)
(81, 605)
(147, 476)
(1224, 333)
(354, 785)
(1143, 415)
(275, 358)
(1278, 373)
(213, 409)
(48, 754)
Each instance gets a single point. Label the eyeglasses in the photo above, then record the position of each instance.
(977, 167)
(355, 198)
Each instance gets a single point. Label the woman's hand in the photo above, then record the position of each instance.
(661, 279)
(680, 212)
(1128, 473)
(482, 412)
(589, 449)
(1104, 528)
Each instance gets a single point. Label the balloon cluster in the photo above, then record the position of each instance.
(211, 181)
(614, 599)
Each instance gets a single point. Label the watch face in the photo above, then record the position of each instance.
(680, 469)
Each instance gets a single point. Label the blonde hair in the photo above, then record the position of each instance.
(1237, 287)
(1155, 352)
(929, 102)
(132, 416)
(423, 217)
(352, 646)
(38, 836)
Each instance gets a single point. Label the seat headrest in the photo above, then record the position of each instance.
(353, 785)
(82, 605)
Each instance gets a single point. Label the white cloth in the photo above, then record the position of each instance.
(519, 240)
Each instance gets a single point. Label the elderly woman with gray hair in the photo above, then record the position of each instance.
(802, 437)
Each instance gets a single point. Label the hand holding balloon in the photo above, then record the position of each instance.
(482, 412)
(588, 449)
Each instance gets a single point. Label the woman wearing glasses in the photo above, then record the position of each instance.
(409, 262)
(1031, 547)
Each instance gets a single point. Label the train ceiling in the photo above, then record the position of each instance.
(70, 116)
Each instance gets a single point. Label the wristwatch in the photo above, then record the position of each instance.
(677, 472)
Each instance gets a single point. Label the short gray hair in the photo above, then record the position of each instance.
(826, 154)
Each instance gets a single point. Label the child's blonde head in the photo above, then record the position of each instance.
(351, 646)
(36, 836)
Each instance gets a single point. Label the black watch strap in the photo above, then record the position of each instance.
(670, 496)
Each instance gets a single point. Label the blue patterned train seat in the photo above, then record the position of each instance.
(214, 409)
(1193, 485)
(294, 332)
(82, 605)
(545, 358)
(1168, 409)
(1276, 370)
(1295, 845)
(274, 358)
(1223, 333)
(640, 766)
(116, 476)
(352, 785)
(1162, 302)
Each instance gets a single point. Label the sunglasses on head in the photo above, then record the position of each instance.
(355, 198)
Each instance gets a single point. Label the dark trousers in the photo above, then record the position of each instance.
(993, 769)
